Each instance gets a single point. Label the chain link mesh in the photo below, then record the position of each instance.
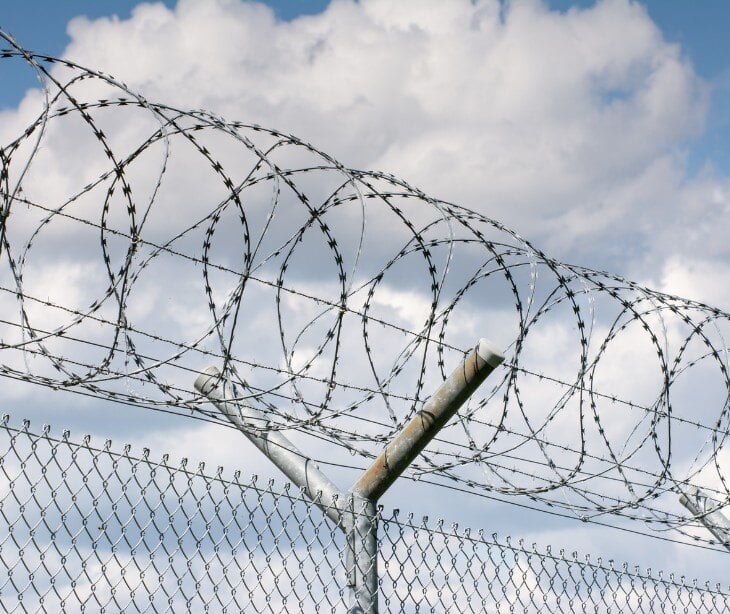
(97, 529)
(437, 569)
(91, 529)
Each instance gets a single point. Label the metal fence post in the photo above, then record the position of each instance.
(362, 556)
(708, 512)
(355, 511)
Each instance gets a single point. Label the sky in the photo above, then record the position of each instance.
(700, 30)
(598, 131)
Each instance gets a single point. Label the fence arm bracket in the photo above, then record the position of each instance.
(355, 511)
(362, 539)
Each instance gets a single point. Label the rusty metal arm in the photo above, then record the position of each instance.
(424, 426)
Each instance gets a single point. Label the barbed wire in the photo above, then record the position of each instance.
(141, 242)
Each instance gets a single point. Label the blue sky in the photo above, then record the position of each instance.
(699, 27)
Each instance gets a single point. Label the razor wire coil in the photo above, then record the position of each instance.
(335, 300)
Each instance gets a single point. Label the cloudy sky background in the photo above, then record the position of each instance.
(597, 131)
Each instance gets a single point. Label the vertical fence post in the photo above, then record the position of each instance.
(355, 511)
(362, 556)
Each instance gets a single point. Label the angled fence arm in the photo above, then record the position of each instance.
(424, 426)
(714, 521)
(283, 453)
(362, 546)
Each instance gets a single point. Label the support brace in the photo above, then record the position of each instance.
(355, 511)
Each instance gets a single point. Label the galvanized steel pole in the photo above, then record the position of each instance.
(714, 520)
(361, 558)
(284, 454)
(355, 511)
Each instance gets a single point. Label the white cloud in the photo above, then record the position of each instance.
(536, 118)
(704, 280)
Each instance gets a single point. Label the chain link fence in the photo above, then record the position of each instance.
(98, 529)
